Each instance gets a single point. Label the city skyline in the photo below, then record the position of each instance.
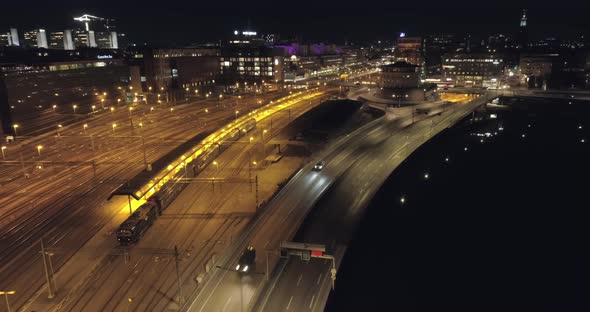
(182, 27)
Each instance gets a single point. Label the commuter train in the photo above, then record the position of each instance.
(138, 222)
(131, 230)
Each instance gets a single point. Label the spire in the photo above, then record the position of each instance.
(523, 19)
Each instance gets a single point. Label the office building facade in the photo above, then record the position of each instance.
(483, 70)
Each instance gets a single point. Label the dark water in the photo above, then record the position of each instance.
(502, 226)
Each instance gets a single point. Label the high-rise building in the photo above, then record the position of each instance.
(68, 40)
(42, 39)
(13, 39)
(523, 31)
(36, 38)
(30, 38)
(4, 39)
(56, 40)
(107, 40)
(473, 69)
(434, 47)
(409, 49)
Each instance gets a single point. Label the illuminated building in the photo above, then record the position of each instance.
(174, 70)
(523, 31)
(245, 57)
(14, 39)
(4, 39)
(400, 83)
(409, 49)
(33, 80)
(435, 46)
(399, 75)
(36, 38)
(536, 69)
(472, 69)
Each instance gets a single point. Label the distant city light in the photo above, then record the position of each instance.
(402, 35)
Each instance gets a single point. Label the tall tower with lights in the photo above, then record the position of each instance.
(523, 31)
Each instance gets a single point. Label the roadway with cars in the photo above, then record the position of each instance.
(302, 286)
(225, 290)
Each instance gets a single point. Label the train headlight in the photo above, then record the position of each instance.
(237, 267)
(245, 269)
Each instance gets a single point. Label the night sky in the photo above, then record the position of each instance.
(181, 23)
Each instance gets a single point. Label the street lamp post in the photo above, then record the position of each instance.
(237, 112)
(114, 126)
(74, 107)
(39, 147)
(3, 153)
(6, 293)
(130, 118)
(15, 126)
(84, 127)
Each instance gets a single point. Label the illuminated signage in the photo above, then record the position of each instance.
(100, 57)
(249, 33)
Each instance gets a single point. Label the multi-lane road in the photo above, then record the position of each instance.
(302, 286)
(226, 290)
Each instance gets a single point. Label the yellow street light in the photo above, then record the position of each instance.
(85, 126)
(54, 107)
(151, 109)
(74, 107)
(150, 88)
(93, 107)
(114, 126)
(251, 139)
(206, 110)
(39, 147)
(15, 126)
(104, 93)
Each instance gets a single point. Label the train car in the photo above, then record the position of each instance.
(231, 137)
(131, 230)
(248, 125)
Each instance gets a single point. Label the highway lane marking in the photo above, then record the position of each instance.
(311, 303)
(319, 278)
(289, 304)
(299, 279)
(227, 303)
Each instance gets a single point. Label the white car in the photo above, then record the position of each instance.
(319, 166)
